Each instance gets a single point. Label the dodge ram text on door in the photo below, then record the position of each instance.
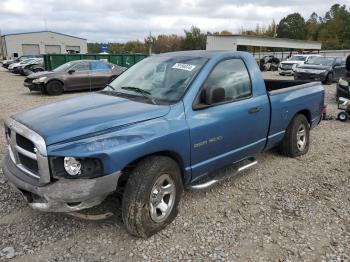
(167, 123)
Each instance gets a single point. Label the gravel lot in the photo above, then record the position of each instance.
(281, 210)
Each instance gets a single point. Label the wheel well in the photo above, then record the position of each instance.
(127, 169)
(306, 113)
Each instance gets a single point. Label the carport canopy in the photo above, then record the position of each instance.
(231, 42)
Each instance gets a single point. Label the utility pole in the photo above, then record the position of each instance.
(150, 43)
(1, 47)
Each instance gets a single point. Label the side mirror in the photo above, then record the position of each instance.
(213, 95)
(71, 71)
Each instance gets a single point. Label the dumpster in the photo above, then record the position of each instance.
(52, 61)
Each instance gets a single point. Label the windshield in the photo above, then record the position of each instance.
(160, 77)
(325, 61)
(64, 67)
(27, 61)
(297, 58)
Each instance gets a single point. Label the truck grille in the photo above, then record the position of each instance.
(27, 150)
(287, 66)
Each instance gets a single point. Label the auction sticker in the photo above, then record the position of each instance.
(186, 67)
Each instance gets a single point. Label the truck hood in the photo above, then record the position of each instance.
(80, 116)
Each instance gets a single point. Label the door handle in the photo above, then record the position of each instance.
(254, 110)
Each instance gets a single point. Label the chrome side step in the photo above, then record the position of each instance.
(208, 182)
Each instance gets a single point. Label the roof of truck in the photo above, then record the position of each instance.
(197, 53)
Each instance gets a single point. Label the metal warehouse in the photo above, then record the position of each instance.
(43, 42)
(232, 42)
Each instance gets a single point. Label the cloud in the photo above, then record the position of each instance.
(110, 20)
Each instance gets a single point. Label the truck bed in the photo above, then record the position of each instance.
(287, 98)
(275, 87)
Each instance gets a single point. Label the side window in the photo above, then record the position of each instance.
(99, 66)
(84, 66)
(231, 75)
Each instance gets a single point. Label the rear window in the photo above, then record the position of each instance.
(99, 66)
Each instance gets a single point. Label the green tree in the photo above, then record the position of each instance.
(293, 26)
(194, 39)
(93, 48)
(313, 26)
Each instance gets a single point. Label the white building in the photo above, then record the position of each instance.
(43, 42)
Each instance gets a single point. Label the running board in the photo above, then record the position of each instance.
(207, 182)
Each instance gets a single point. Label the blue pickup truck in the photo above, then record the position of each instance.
(165, 124)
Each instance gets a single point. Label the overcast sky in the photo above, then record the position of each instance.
(123, 20)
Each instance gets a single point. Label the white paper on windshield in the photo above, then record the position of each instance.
(186, 67)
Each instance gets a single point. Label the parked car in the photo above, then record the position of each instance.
(269, 63)
(325, 69)
(16, 68)
(75, 75)
(343, 86)
(7, 63)
(166, 123)
(287, 67)
(32, 68)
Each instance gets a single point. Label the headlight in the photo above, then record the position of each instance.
(322, 71)
(40, 80)
(73, 167)
(343, 82)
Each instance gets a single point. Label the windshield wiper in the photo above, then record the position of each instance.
(111, 87)
(141, 91)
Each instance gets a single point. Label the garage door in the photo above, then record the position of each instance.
(52, 49)
(28, 49)
(72, 49)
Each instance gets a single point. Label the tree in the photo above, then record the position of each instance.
(194, 39)
(167, 43)
(313, 27)
(293, 26)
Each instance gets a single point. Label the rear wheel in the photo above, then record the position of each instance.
(297, 137)
(151, 196)
(343, 116)
(54, 88)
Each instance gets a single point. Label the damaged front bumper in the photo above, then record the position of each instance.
(63, 195)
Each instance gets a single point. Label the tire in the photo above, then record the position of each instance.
(54, 88)
(140, 211)
(296, 140)
(329, 79)
(343, 116)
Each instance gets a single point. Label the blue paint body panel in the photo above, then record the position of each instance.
(119, 131)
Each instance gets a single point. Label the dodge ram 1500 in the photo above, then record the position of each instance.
(167, 123)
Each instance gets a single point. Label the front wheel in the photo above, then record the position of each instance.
(343, 116)
(297, 137)
(54, 88)
(151, 197)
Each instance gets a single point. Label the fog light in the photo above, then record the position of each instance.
(72, 166)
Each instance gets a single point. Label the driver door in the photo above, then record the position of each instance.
(231, 130)
(78, 76)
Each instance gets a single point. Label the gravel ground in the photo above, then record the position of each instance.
(281, 210)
